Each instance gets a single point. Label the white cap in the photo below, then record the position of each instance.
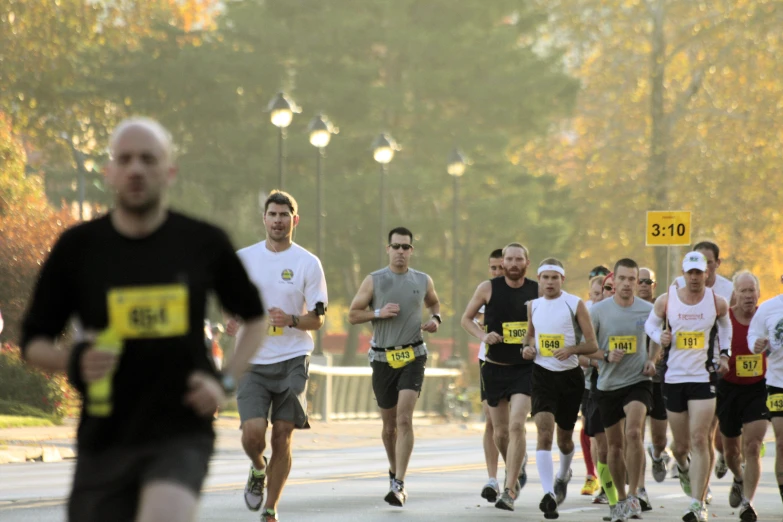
(694, 261)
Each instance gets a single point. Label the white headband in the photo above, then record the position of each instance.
(554, 268)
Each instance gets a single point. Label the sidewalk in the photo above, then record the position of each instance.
(55, 443)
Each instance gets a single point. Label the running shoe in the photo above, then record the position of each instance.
(523, 473)
(601, 498)
(685, 481)
(254, 488)
(548, 506)
(396, 495)
(491, 490)
(658, 465)
(696, 513)
(561, 487)
(721, 468)
(269, 515)
(591, 486)
(633, 509)
(747, 513)
(735, 494)
(644, 500)
(708, 496)
(618, 512)
(506, 501)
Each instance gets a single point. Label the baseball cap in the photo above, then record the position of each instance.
(694, 261)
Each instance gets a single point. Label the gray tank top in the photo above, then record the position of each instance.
(408, 291)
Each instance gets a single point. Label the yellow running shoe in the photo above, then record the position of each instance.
(591, 485)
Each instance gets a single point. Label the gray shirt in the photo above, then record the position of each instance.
(618, 327)
(407, 290)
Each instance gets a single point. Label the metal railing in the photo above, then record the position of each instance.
(340, 393)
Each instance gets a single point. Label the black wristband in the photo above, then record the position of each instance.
(74, 366)
(606, 356)
(724, 353)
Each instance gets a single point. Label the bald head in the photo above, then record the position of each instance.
(147, 126)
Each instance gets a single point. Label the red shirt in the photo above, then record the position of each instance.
(757, 363)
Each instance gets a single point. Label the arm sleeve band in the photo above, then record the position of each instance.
(724, 334)
(653, 326)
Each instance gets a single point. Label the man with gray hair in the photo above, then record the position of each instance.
(741, 405)
(137, 281)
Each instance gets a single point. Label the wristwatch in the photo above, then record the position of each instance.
(437, 318)
(377, 313)
(228, 383)
(606, 356)
(294, 321)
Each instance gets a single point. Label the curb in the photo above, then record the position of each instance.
(15, 454)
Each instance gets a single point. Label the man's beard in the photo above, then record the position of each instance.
(516, 276)
(139, 209)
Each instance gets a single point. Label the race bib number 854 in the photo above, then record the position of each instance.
(145, 312)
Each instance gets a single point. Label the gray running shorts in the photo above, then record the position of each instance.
(275, 392)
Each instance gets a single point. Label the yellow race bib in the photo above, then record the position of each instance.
(514, 333)
(690, 340)
(626, 343)
(147, 312)
(400, 357)
(273, 331)
(749, 365)
(775, 403)
(549, 342)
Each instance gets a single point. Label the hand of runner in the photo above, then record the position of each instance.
(232, 327)
(561, 354)
(723, 366)
(761, 345)
(390, 310)
(205, 395)
(492, 338)
(615, 356)
(666, 338)
(430, 326)
(649, 369)
(528, 353)
(95, 364)
(279, 318)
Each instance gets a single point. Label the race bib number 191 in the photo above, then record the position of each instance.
(146, 312)
(690, 340)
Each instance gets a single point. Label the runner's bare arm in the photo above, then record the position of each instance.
(44, 354)
(529, 346)
(431, 300)
(359, 313)
(479, 299)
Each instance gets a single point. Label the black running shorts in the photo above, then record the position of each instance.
(740, 404)
(559, 393)
(612, 403)
(658, 410)
(387, 381)
(499, 382)
(676, 396)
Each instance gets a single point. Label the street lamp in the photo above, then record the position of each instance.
(456, 168)
(321, 130)
(281, 112)
(383, 149)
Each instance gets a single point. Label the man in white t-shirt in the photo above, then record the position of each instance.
(294, 288)
(491, 489)
(766, 335)
(724, 288)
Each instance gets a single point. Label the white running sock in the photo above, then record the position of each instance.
(546, 470)
(565, 464)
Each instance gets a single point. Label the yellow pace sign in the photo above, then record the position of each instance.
(668, 228)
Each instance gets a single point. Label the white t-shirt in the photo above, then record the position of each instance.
(556, 317)
(722, 287)
(287, 280)
(768, 322)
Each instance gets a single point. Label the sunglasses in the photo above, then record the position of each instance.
(397, 246)
(646, 281)
(608, 288)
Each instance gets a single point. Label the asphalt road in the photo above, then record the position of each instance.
(337, 484)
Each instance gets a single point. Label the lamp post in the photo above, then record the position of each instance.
(456, 168)
(383, 149)
(281, 110)
(321, 130)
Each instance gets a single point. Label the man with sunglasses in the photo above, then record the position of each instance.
(505, 375)
(275, 387)
(392, 299)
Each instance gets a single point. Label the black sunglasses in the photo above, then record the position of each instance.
(608, 288)
(646, 281)
(397, 246)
